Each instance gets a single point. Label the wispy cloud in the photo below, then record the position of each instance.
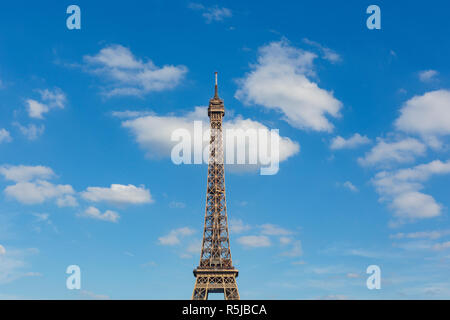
(295, 251)
(350, 186)
(5, 136)
(326, 53)
(93, 296)
(254, 241)
(398, 151)
(428, 75)
(32, 131)
(50, 99)
(13, 264)
(177, 205)
(211, 14)
(174, 236)
(274, 230)
(238, 226)
(435, 234)
(401, 189)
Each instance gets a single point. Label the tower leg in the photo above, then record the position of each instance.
(199, 294)
(215, 283)
(230, 291)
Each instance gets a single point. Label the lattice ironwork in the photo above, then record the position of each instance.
(215, 272)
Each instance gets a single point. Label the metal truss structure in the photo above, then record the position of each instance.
(215, 272)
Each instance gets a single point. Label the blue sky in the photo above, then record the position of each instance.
(86, 176)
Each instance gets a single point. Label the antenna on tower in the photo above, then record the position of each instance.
(216, 95)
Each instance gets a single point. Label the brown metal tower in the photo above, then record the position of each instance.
(215, 272)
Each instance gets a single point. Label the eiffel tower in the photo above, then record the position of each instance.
(215, 273)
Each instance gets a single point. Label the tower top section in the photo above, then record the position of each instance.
(216, 105)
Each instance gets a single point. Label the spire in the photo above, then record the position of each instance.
(215, 103)
(216, 95)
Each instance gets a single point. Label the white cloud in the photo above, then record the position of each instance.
(212, 13)
(173, 237)
(280, 80)
(40, 217)
(37, 192)
(423, 245)
(193, 248)
(415, 204)
(421, 234)
(36, 109)
(149, 264)
(353, 275)
(286, 149)
(267, 233)
(32, 132)
(31, 185)
(94, 213)
(350, 186)
(216, 14)
(274, 230)
(427, 75)
(427, 115)
(334, 297)
(5, 136)
(127, 114)
(94, 296)
(177, 205)
(25, 173)
(67, 201)
(295, 251)
(354, 141)
(442, 246)
(326, 53)
(55, 98)
(118, 194)
(128, 75)
(386, 152)
(285, 240)
(12, 264)
(50, 99)
(238, 226)
(401, 189)
(254, 241)
(153, 133)
(363, 253)
(2, 250)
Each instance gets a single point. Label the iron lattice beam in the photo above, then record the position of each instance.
(215, 272)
